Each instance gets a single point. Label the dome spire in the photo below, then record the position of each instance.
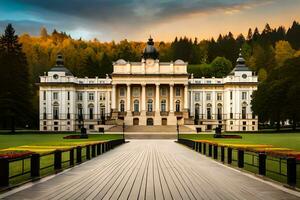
(150, 51)
(59, 59)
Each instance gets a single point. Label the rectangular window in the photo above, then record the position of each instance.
(68, 95)
(244, 95)
(44, 95)
(122, 92)
(177, 91)
(253, 123)
(197, 96)
(208, 96)
(55, 95)
(79, 96)
(163, 91)
(149, 92)
(231, 122)
(91, 96)
(230, 95)
(136, 92)
(102, 96)
(219, 96)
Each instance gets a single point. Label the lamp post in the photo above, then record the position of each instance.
(177, 128)
(123, 131)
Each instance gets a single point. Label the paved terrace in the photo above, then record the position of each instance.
(152, 169)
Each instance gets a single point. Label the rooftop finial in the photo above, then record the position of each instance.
(59, 59)
(240, 54)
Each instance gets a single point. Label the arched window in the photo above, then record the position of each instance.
(102, 109)
(80, 112)
(244, 110)
(219, 107)
(208, 111)
(91, 111)
(163, 105)
(55, 110)
(149, 122)
(177, 106)
(150, 105)
(136, 106)
(122, 106)
(197, 110)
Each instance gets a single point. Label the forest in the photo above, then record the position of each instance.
(24, 58)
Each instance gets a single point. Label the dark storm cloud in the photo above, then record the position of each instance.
(143, 11)
(110, 17)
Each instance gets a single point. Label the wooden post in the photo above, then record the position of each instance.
(262, 164)
(57, 159)
(204, 148)
(4, 172)
(72, 157)
(291, 171)
(93, 151)
(215, 152)
(200, 147)
(88, 152)
(35, 165)
(98, 149)
(222, 154)
(78, 154)
(240, 158)
(103, 148)
(209, 150)
(229, 155)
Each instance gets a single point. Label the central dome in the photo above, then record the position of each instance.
(150, 51)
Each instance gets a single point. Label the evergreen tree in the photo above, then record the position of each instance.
(15, 90)
(43, 33)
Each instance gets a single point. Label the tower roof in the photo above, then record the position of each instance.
(240, 64)
(59, 67)
(150, 51)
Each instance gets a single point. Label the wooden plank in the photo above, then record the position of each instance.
(151, 169)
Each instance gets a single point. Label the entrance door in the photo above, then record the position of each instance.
(149, 122)
(164, 121)
(136, 121)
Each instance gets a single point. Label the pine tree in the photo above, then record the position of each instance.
(15, 93)
(43, 33)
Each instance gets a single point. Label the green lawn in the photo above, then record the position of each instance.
(43, 143)
(275, 166)
(41, 139)
(287, 140)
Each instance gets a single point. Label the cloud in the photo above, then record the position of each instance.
(111, 18)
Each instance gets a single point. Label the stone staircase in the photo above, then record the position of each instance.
(152, 129)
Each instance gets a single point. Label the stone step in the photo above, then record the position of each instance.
(156, 129)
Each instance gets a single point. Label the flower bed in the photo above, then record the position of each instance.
(14, 154)
(258, 148)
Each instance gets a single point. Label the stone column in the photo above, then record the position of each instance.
(114, 114)
(143, 104)
(157, 99)
(107, 102)
(171, 106)
(185, 97)
(128, 109)
(185, 105)
(113, 97)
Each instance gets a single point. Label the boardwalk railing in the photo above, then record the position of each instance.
(29, 167)
(282, 169)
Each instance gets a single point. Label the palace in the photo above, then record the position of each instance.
(147, 93)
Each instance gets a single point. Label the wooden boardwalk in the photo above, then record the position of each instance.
(151, 169)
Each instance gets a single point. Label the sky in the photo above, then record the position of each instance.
(135, 20)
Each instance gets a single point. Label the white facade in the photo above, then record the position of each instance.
(147, 93)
